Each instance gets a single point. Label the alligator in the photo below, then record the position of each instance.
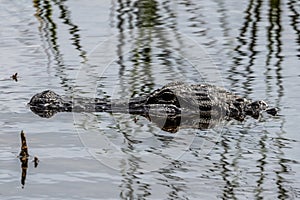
(175, 105)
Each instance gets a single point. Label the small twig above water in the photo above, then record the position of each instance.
(135, 119)
(36, 161)
(15, 77)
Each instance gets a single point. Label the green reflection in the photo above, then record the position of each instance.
(147, 14)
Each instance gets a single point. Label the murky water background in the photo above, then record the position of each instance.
(121, 49)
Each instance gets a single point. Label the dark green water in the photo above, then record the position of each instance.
(121, 49)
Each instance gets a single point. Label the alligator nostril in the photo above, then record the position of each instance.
(272, 111)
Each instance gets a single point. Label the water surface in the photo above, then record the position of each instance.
(121, 49)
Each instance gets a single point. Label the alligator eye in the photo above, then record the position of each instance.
(162, 97)
(167, 96)
(241, 100)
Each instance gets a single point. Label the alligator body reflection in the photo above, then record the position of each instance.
(175, 105)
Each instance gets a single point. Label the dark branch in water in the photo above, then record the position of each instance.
(23, 156)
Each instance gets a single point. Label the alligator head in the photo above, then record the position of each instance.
(47, 103)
